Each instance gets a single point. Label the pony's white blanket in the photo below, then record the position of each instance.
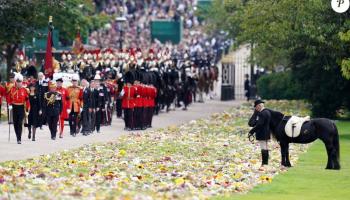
(294, 124)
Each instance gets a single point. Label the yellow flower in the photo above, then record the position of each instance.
(140, 166)
(266, 179)
(122, 152)
(238, 175)
(179, 181)
(4, 188)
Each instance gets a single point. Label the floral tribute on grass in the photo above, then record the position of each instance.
(197, 160)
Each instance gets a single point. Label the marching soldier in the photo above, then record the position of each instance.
(118, 99)
(87, 102)
(52, 108)
(19, 104)
(100, 102)
(93, 99)
(138, 110)
(128, 94)
(74, 104)
(64, 114)
(41, 88)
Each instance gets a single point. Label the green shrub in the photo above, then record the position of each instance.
(279, 86)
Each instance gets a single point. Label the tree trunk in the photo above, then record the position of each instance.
(10, 52)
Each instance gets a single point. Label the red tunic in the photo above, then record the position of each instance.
(19, 96)
(153, 95)
(139, 102)
(8, 86)
(2, 93)
(128, 100)
(64, 94)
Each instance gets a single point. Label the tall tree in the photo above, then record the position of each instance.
(21, 19)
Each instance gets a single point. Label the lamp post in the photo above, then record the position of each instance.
(120, 23)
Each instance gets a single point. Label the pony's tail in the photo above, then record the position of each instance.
(337, 147)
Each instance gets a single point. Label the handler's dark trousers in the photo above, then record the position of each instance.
(52, 122)
(18, 116)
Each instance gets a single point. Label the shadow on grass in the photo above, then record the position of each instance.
(345, 137)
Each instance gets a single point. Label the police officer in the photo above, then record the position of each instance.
(261, 127)
(52, 108)
(18, 103)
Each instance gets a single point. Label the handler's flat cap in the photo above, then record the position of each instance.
(257, 102)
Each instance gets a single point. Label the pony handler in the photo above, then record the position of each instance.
(291, 129)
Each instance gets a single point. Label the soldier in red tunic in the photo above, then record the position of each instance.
(128, 101)
(152, 96)
(2, 95)
(64, 114)
(138, 111)
(19, 104)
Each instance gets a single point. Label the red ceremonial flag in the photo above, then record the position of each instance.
(78, 44)
(48, 55)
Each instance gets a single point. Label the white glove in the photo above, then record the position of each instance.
(68, 110)
(10, 107)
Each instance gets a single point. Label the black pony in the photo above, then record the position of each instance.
(318, 128)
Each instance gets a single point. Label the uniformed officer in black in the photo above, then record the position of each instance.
(52, 108)
(261, 127)
(41, 88)
(100, 103)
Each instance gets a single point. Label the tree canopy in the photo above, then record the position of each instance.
(22, 19)
(306, 36)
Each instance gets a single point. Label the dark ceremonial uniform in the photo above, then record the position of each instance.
(100, 106)
(74, 104)
(52, 109)
(87, 106)
(107, 117)
(262, 125)
(111, 90)
(19, 100)
(118, 98)
(94, 100)
(42, 86)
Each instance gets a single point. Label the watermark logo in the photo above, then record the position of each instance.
(340, 6)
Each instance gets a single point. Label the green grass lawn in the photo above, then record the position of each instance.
(309, 180)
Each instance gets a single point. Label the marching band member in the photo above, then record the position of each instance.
(52, 108)
(19, 104)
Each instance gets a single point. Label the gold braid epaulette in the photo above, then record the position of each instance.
(50, 100)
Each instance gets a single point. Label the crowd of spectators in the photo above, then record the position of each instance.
(137, 34)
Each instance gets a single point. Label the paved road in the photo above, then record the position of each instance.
(44, 145)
